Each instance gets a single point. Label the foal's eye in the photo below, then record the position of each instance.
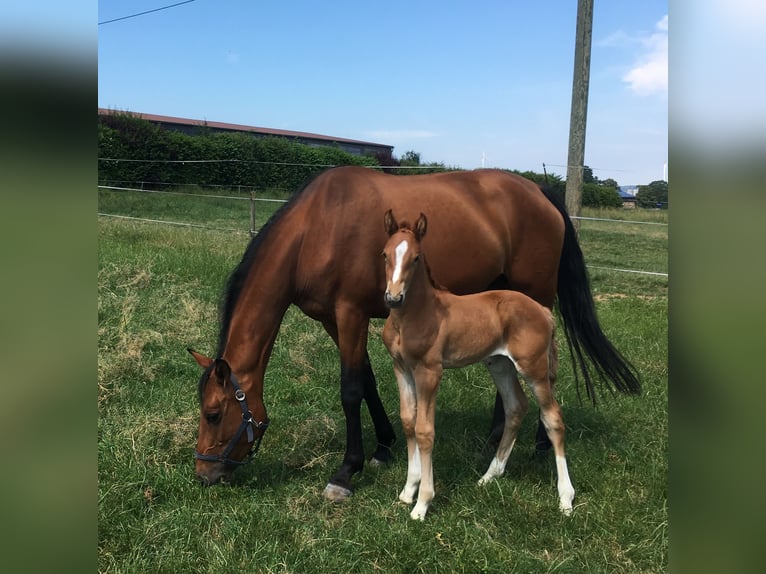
(213, 418)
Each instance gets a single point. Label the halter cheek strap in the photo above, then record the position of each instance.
(247, 425)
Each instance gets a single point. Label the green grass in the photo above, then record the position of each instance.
(158, 292)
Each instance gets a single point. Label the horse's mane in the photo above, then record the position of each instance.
(236, 280)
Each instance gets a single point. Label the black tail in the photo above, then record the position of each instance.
(578, 314)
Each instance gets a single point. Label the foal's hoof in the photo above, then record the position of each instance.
(335, 493)
(376, 462)
(419, 512)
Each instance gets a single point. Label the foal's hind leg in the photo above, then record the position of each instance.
(550, 415)
(515, 404)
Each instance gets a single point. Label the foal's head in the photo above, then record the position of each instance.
(402, 256)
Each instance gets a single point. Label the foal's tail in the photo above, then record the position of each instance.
(578, 313)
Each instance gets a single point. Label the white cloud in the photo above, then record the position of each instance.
(649, 75)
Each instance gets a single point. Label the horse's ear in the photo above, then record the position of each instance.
(420, 226)
(390, 223)
(202, 360)
(222, 370)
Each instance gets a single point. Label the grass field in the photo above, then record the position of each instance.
(158, 293)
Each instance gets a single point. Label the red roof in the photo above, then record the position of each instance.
(237, 127)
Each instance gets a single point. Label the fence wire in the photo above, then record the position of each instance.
(251, 198)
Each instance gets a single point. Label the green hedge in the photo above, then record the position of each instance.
(261, 162)
(597, 195)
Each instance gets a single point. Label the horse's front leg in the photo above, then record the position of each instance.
(427, 384)
(350, 334)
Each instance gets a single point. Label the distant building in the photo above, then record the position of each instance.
(628, 195)
(193, 127)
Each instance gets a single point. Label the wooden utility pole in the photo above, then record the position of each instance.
(579, 113)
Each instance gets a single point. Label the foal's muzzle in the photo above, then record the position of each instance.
(393, 301)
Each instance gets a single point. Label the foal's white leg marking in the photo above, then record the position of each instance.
(496, 468)
(419, 512)
(401, 249)
(408, 404)
(566, 490)
(426, 492)
(407, 495)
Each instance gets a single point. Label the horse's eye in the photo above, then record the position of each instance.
(417, 258)
(385, 257)
(213, 418)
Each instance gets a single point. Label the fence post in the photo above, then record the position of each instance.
(252, 213)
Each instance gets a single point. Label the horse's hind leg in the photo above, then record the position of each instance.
(515, 405)
(384, 432)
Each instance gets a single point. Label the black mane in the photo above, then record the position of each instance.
(237, 278)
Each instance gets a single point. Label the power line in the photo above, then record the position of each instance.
(147, 12)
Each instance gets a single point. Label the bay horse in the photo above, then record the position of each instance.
(429, 329)
(318, 252)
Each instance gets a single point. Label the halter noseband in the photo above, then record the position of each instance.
(247, 424)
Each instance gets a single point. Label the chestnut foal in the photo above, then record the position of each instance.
(429, 329)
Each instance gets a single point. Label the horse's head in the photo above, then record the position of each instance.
(402, 256)
(229, 434)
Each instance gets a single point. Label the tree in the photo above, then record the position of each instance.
(654, 195)
(551, 180)
(595, 195)
(587, 175)
(410, 158)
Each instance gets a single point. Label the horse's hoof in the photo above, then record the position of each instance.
(335, 493)
(381, 456)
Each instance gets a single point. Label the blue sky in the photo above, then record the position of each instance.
(463, 83)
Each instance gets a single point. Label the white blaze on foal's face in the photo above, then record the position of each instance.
(400, 252)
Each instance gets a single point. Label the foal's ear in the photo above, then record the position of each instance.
(420, 226)
(202, 360)
(390, 223)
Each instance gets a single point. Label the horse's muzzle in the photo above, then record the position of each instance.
(393, 302)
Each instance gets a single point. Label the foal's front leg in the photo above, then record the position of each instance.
(427, 383)
(407, 413)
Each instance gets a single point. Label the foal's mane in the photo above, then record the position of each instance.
(405, 226)
(237, 278)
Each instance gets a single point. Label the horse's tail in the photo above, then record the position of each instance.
(578, 313)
